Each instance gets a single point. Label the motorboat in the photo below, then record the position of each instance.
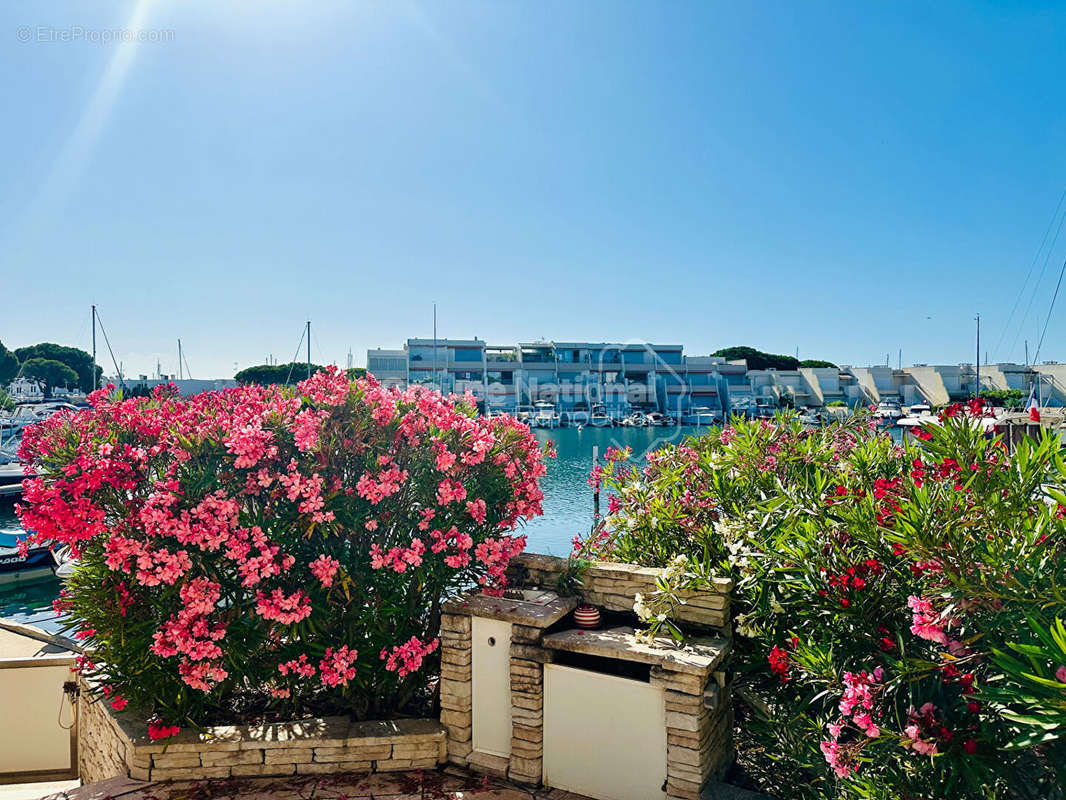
(600, 418)
(11, 477)
(35, 564)
(700, 416)
(656, 419)
(544, 415)
(889, 410)
(637, 419)
(812, 417)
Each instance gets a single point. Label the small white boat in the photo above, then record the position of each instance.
(656, 419)
(812, 417)
(11, 477)
(638, 419)
(700, 416)
(600, 418)
(544, 415)
(37, 563)
(889, 410)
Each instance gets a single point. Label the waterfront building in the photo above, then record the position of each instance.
(574, 376)
(24, 390)
(186, 386)
(623, 377)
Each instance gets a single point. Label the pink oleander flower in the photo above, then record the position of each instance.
(338, 666)
(325, 568)
(297, 666)
(283, 608)
(119, 703)
(407, 658)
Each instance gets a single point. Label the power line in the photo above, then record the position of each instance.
(1051, 308)
(1028, 275)
(1036, 285)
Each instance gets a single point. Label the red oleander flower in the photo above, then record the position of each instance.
(778, 659)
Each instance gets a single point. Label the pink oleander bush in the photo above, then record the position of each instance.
(896, 607)
(264, 552)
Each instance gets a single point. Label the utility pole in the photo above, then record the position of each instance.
(94, 348)
(308, 348)
(899, 360)
(978, 357)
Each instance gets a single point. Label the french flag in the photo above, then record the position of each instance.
(1034, 409)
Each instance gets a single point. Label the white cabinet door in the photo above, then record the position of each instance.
(604, 736)
(491, 686)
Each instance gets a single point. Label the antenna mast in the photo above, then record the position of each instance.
(94, 347)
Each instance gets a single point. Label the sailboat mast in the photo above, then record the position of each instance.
(436, 368)
(977, 355)
(308, 348)
(94, 348)
(179, 360)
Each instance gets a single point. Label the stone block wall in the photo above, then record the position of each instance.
(613, 586)
(527, 705)
(455, 686)
(699, 738)
(115, 744)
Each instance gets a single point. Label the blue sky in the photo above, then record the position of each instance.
(846, 178)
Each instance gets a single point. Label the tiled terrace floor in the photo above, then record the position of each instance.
(449, 784)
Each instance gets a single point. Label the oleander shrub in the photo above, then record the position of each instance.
(267, 552)
(896, 605)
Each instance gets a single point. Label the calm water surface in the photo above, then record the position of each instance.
(567, 495)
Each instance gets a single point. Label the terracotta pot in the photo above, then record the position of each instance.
(587, 616)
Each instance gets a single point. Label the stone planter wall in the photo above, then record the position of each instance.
(114, 744)
(613, 586)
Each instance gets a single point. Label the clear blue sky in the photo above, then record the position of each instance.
(847, 178)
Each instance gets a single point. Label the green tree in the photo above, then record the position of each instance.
(9, 365)
(1008, 398)
(817, 362)
(355, 373)
(6, 403)
(49, 372)
(269, 374)
(757, 359)
(78, 360)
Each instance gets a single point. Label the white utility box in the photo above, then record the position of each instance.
(491, 685)
(604, 735)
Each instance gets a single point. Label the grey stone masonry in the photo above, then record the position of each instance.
(614, 586)
(117, 744)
